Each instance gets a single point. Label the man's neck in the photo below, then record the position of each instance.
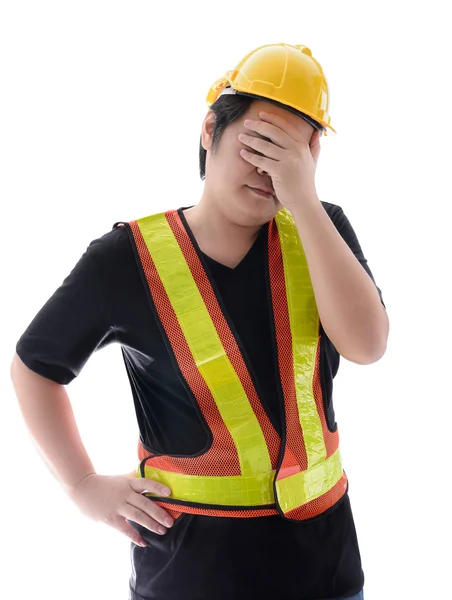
(218, 237)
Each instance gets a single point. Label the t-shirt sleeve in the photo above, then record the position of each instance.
(73, 323)
(347, 232)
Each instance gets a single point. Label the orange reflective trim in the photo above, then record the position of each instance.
(224, 332)
(294, 433)
(244, 514)
(295, 440)
(222, 444)
(284, 340)
(304, 327)
(208, 352)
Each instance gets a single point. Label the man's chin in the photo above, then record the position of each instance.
(252, 215)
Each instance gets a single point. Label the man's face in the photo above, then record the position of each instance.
(229, 177)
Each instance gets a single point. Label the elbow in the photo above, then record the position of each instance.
(371, 358)
(368, 356)
(377, 355)
(377, 349)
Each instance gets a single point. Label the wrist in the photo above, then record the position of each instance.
(308, 202)
(71, 488)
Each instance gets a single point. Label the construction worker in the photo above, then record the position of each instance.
(231, 315)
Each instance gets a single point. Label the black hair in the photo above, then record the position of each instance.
(227, 109)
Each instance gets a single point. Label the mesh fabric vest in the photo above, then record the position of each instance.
(248, 469)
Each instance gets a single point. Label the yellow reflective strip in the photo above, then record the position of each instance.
(308, 485)
(205, 345)
(236, 490)
(304, 323)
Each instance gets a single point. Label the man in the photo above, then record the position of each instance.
(231, 316)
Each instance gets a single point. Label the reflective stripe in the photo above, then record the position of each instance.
(293, 491)
(235, 490)
(304, 324)
(207, 350)
(298, 489)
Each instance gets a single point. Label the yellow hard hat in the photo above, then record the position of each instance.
(286, 74)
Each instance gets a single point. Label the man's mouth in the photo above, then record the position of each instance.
(262, 192)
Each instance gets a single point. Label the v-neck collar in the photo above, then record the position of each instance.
(209, 258)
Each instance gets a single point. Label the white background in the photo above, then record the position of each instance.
(101, 109)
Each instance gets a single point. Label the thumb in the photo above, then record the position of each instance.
(144, 484)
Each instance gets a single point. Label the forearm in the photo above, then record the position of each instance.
(347, 300)
(48, 415)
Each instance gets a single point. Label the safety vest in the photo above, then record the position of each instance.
(248, 469)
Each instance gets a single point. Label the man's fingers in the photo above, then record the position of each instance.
(132, 513)
(153, 510)
(122, 526)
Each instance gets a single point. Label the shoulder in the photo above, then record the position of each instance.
(333, 210)
(115, 241)
(341, 221)
(113, 249)
(109, 258)
(118, 243)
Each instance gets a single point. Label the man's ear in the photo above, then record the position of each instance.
(207, 130)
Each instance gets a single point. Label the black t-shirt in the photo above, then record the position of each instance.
(104, 300)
